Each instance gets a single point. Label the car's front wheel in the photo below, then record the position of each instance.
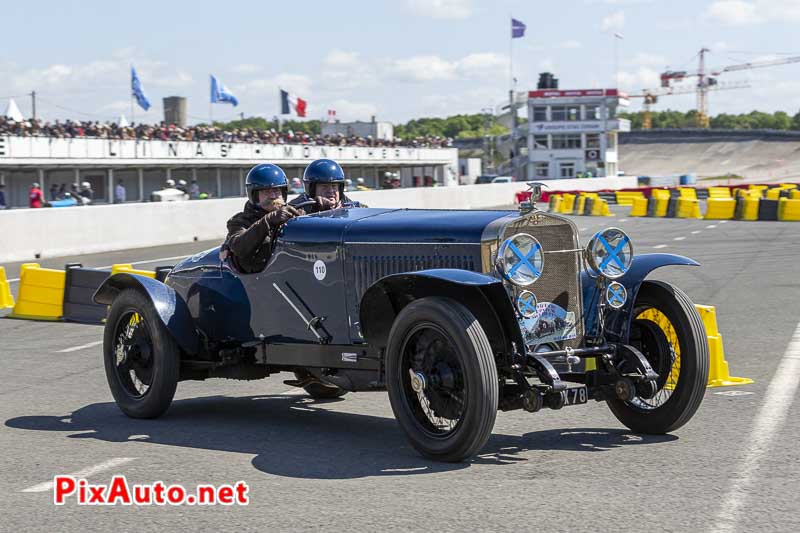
(442, 379)
(667, 329)
(141, 358)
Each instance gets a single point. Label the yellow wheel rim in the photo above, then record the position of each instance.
(660, 319)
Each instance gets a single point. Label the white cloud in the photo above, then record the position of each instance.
(441, 9)
(640, 78)
(570, 44)
(298, 84)
(347, 110)
(345, 70)
(741, 12)
(613, 22)
(434, 68)
(645, 59)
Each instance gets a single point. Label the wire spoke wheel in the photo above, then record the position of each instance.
(668, 331)
(654, 335)
(133, 352)
(435, 387)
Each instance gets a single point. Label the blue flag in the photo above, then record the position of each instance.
(517, 28)
(138, 92)
(220, 93)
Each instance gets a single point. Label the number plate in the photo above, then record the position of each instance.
(577, 395)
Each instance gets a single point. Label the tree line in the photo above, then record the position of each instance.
(477, 125)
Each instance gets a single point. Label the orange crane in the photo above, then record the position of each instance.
(651, 96)
(706, 80)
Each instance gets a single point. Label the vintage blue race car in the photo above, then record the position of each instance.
(458, 314)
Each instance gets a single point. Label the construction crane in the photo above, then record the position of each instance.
(651, 96)
(708, 79)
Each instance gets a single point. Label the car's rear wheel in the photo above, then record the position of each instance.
(319, 391)
(667, 329)
(141, 358)
(442, 379)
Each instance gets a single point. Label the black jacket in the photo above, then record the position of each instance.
(249, 239)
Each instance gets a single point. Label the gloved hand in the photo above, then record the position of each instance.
(281, 216)
(324, 204)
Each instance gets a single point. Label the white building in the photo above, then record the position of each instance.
(573, 132)
(374, 129)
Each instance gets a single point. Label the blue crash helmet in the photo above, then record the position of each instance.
(265, 176)
(322, 171)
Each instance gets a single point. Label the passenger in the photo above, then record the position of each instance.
(251, 232)
(324, 184)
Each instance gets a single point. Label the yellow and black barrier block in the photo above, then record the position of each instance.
(128, 269)
(580, 202)
(629, 197)
(639, 207)
(79, 288)
(718, 372)
(747, 207)
(567, 203)
(688, 208)
(767, 209)
(555, 203)
(720, 208)
(788, 210)
(601, 209)
(588, 205)
(6, 298)
(719, 192)
(41, 293)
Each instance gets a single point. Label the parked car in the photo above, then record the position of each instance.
(434, 306)
(503, 179)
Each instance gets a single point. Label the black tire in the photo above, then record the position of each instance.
(149, 355)
(462, 383)
(681, 396)
(320, 391)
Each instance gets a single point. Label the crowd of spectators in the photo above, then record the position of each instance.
(171, 132)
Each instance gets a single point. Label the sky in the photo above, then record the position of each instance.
(397, 60)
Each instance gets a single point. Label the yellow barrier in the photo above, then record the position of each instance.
(688, 193)
(116, 269)
(688, 208)
(600, 208)
(719, 192)
(720, 208)
(759, 189)
(774, 194)
(580, 203)
(718, 373)
(750, 209)
(6, 298)
(795, 195)
(639, 207)
(555, 203)
(567, 203)
(628, 197)
(41, 293)
(789, 210)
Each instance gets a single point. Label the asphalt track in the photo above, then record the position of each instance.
(344, 465)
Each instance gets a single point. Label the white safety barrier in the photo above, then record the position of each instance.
(41, 233)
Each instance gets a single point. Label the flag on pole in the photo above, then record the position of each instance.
(221, 94)
(517, 28)
(290, 101)
(331, 116)
(138, 92)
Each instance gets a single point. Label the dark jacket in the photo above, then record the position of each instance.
(249, 239)
(314, 208)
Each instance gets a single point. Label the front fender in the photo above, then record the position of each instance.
(484, 295)
(617, 322)
(171, 309)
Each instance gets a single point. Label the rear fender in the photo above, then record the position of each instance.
(170, 307)
(483, 295)
(617, 322)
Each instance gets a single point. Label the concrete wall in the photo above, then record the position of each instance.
(80, 230)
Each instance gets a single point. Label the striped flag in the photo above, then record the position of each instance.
(291, 102)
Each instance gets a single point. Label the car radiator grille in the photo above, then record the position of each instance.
(560, 279)
(379, 261)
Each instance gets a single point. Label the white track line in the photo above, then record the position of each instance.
(711, 226)
(773, 412)
(86, 472)
(695, 232)
(81, 347)
(678, 238)
(657, 246)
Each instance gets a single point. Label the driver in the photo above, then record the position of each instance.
(324, 181)
(250, 233)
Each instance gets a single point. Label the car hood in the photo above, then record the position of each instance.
(392, 225)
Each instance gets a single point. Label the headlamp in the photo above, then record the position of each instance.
(609, 253)
(520, 259)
